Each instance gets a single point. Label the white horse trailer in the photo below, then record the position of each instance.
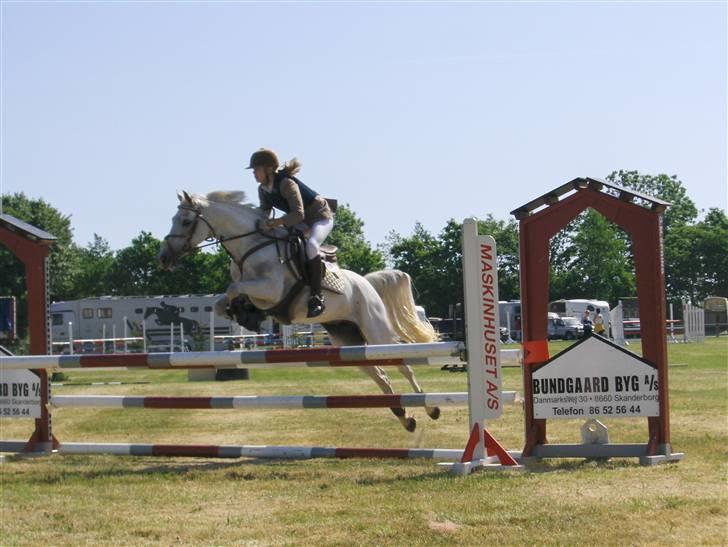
(577, 307)
(161, 320)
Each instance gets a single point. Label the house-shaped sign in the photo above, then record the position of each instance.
(595, 378)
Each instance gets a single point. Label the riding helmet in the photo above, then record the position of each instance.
(263, 158)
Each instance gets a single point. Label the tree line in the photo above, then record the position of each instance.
(590, 258)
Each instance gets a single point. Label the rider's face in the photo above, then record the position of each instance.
(261, 174)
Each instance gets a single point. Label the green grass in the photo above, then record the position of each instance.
(65, 500)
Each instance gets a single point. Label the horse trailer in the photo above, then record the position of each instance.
(94, 322)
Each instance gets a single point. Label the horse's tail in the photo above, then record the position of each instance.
(395, 289)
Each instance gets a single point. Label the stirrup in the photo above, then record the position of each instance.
(315, 306)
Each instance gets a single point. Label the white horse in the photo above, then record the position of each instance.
(376, 309)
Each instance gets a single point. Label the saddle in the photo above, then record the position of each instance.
(250, 317)
(331, 279)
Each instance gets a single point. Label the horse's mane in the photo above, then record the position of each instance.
(233, 198)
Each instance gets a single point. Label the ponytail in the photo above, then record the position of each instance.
(291, 167)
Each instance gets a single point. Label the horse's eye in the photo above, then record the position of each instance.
(186, 222)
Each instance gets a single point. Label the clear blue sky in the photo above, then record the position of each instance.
(406, 111)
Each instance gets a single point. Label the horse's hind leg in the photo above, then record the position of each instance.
(432, 411)
(382, 380)
(348, 334)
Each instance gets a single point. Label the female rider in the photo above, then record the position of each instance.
(280, 188)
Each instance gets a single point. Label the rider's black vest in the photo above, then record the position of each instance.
(279, 202)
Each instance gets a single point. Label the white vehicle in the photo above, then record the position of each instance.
(94, 319)
(577, 307)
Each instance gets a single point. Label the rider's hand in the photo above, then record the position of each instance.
(269, 225)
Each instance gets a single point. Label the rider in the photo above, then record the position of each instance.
(281, 189)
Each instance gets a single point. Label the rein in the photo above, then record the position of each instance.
(215, 240)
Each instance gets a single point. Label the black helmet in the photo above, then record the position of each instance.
(263, 158)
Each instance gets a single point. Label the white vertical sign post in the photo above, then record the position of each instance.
(126, 335)
(482, 338)
(483, 326)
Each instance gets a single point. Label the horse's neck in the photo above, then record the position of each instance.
(227, 221)
(264, 261)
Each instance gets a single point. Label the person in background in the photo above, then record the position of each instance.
(587, 323)
(599, 327)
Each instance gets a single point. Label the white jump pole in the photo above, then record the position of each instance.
(113, 338)
(171, 338)
(144, 334)
(212, 331)
(126, 335)
(70, 337)
(103, 338)
(181, 336)
(508, 321)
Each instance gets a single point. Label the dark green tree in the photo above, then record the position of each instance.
(435, 263)
(421, 256)
(96, 262)
(62, 257)
(682, 209)
(135, 270)
(591, 261)
(355, 253)
(705, 260)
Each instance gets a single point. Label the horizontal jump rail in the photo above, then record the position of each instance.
(255, 451)
(248, 451)
(436, 353)
(281, 402)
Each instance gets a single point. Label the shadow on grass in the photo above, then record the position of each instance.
(249, 469)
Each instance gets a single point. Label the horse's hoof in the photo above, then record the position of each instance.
(434, 412)
(411, 425)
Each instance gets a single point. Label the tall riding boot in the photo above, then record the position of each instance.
(316, 301)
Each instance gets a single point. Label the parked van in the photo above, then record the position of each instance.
(564, 328)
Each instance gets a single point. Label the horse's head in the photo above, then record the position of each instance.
(189, 228)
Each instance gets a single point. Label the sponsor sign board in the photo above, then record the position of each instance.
(19, 394)
(595, 378)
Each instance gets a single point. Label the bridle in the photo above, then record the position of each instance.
(188, 236)
(214, 239)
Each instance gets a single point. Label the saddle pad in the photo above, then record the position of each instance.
(333, 280)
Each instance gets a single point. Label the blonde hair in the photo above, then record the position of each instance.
(291, 167)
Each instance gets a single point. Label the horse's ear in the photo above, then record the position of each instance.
(183, 196)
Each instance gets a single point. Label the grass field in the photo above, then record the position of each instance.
(77, 500)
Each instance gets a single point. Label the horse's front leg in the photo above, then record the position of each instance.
(221, 306)
(262, 288)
